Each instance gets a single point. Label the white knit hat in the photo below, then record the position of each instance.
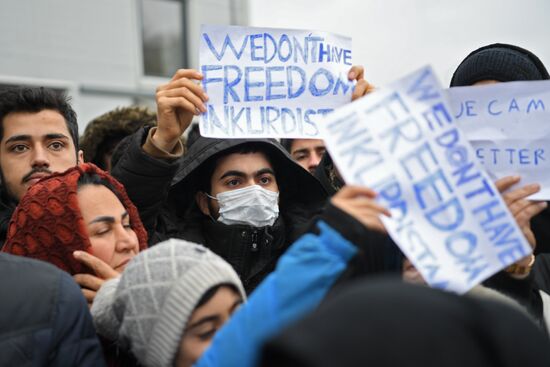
(156, 295)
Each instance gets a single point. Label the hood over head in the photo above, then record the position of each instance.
(296, 185)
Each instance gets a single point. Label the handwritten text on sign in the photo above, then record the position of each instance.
(447, 216)
(271, 82)
(508, 124)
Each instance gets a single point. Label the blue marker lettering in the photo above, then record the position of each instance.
(270, 84)
(291, 71)
(284, 39)
(248, 85)
(490, 109)
(267, 56)
(205, 69)
(535, 104)
(513, 105)
(424, 86)
(313, 83)
(470, 108)
(226, 43)
(228, 85)
(254, 47)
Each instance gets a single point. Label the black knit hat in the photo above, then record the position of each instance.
(501, 62)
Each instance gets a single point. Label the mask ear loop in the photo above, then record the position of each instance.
(213, 198)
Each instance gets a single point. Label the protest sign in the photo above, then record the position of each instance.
(447, 216)
(265, 82)
(508, 124)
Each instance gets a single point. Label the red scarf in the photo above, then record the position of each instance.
(48, 225)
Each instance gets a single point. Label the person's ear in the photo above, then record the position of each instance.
(80, 157)
(202, 202)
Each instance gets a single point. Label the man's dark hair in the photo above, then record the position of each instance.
(287, 144)
(207, 169)
(36, 99)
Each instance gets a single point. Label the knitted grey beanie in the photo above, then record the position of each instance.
(156, 295)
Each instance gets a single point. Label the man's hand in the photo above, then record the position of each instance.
(89, 283)
(362, 87)
(359, 203)
(521, 208)
(177, 103)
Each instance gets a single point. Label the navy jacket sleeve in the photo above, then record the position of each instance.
(74, 341)
(44, 318)
(303, 276)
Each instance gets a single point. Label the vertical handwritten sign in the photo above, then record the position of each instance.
(447, 216)
(271, 82)
(508, 124)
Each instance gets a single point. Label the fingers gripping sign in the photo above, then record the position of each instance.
(363, 87)
(177, 102)
(521, 208)
(89, 283)
(359, 202)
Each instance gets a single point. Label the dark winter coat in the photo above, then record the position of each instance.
(44, 318)
(164, 192)
(541, 272)
(382, 323)
(326, 173)
(7, 207)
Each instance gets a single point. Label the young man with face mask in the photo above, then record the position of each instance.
(247, 200)
(38, 136)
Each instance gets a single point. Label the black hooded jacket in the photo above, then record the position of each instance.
(6, 211)
(384, 323)
(164, 193)
(326, 173)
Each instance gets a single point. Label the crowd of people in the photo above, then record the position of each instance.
(167, 248)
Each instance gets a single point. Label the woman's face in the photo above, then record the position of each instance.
(112, 238)
(203, 324)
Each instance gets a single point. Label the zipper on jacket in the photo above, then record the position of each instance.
(254, 241)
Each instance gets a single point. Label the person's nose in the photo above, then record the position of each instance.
(313, 162)
(40, 158)
(126, 239)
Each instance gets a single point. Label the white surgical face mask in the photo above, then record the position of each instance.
(252, 205)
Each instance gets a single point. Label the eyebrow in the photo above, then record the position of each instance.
(28, 137)
(107, 219)
(298, 151)
(204, 320)
(263, 171)
(213, 318)
(233, 173)
(260, 172)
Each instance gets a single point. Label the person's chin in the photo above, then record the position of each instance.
(120, 268)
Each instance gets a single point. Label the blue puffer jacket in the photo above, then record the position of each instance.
(303, 276)
(44, 318)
